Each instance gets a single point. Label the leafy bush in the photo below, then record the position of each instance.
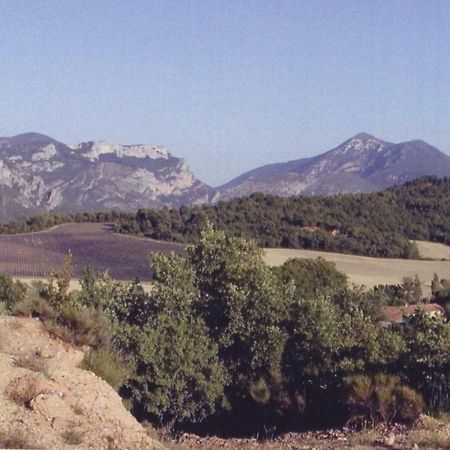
(86, 326)
(381, 398)
(35, 307)
(11, 292)
(312, 277)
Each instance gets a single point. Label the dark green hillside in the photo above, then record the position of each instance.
(377, 224)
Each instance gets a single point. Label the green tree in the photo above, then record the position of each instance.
(312, 277)
(179, 377)
(243, 305)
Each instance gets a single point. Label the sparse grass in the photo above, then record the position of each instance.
(3, 309)
(109, 365)
(32, 361)
(364, 437)
(72, 437)
(80, 326)
(23, 390)
(87, 326)
(429, 440)
(58, 330)
(17, 438)
(34, 306)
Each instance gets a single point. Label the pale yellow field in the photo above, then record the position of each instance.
(368, 271)
(433, 250)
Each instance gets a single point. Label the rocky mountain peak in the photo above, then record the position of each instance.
(94, 149)
(39, 174)
(362, 163)
(363, 137)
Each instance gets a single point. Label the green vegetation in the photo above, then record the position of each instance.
(224, 342)
(377, 224)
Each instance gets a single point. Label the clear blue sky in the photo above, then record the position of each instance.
(229, 85)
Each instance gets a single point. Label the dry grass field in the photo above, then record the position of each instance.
(39, 254)
(433, 250)
(368, 271)
(36, 255)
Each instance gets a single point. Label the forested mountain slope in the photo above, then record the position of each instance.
(376, 224)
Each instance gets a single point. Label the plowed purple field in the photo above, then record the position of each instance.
(91, 244)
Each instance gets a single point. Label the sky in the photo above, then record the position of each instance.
(228, 85)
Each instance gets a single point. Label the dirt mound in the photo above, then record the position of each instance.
(48, 402)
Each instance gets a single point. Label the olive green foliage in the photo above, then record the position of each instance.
(440, 288)
(426, 358)
(243, 304)
(11, 292)
(223, 339)
(381, 398)
(412, 289)
(179, 377)
(108, 363)
(46, 221)
(312, 277)
(378, 224)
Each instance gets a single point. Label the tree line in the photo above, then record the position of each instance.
(378, 224)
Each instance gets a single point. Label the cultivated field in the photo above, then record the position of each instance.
(40, 254)
(35, 255)
(368, 271)
(433, 250)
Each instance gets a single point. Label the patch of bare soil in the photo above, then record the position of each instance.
(46, 401)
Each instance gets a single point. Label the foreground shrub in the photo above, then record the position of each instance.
(108, 364)
(84, 326)
(22, 390)
(11, 292)
(381, 398)
(34, 306)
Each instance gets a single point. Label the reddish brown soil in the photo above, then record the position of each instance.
(91, 244)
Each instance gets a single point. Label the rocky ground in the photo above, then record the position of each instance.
(46, 401)
(428, 433)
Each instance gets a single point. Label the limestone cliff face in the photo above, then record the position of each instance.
(40, 174)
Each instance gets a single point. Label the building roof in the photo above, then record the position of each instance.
(397, 313)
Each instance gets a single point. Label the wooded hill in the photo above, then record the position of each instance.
(377, 224)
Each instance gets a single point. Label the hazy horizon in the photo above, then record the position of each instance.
(228, 86)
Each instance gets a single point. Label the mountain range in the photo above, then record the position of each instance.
(38, 174)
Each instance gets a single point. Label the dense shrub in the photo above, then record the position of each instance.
(11, 292)
(312, 277)
(381, 398)
(109, 364)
